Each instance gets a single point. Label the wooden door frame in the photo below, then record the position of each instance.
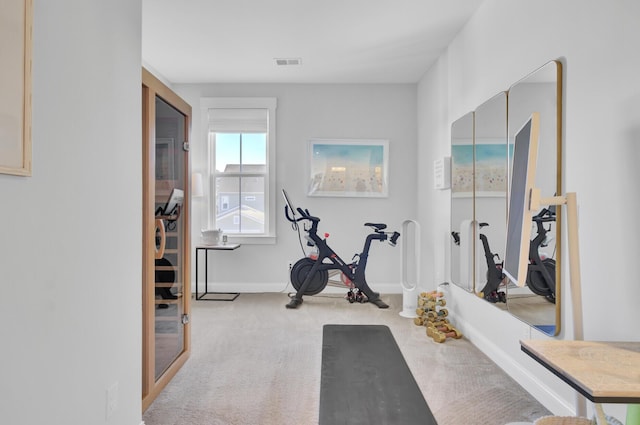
(152, 87)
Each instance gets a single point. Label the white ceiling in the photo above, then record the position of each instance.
(338, 41)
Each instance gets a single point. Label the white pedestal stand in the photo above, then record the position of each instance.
(410, 289)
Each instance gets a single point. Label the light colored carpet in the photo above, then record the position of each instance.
(255, 362)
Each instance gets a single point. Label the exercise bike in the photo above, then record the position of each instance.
(310, 275)
(494, 272)
(494, 269)
(541, 273)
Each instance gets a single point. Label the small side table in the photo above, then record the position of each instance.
(603, 372)
(213, 296)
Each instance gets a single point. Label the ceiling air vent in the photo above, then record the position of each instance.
(288, 61)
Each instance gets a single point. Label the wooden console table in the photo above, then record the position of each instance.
(217, 296)
(603, 372)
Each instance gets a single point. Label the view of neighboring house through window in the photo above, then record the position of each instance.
(239, 178)
(241, 137)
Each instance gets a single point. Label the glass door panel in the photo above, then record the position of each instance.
(170, 186)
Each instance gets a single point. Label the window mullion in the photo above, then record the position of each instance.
(240, 188)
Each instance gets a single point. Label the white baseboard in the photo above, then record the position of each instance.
(541, 392)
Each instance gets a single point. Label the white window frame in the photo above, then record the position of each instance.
(270, 104)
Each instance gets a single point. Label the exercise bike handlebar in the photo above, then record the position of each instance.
(307, 216)
(544, 219)
(304, 215)
(545, 215)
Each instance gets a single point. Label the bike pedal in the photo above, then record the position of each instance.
(350, 297)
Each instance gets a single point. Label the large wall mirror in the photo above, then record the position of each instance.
(462, 209)
(491, 184)
(538, 302)
(481, 147)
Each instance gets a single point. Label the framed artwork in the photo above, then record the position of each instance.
(462, 168)
(491, 168)
(15, 87)
(348, 168)
(491, 173)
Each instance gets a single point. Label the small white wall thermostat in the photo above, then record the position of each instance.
(442, 173)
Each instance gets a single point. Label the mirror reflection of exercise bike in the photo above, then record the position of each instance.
(495, 276)
(541, 272)
(310, 274)
(166, 221)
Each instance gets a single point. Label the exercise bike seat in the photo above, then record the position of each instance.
(377, 226)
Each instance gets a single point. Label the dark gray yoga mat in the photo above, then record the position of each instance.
(365, 379)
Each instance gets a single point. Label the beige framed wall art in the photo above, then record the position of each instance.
(15, 86)
(349, 168)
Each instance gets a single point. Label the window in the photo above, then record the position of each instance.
(241, 137)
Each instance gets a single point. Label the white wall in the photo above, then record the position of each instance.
(503, 42)
(325, 111)
(70, 238)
